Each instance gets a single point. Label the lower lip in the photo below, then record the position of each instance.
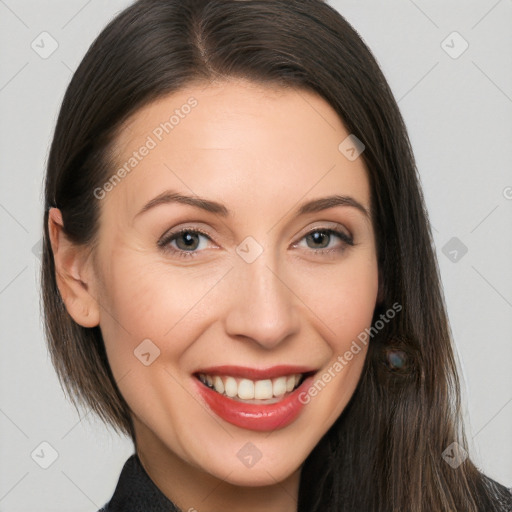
(255, 416)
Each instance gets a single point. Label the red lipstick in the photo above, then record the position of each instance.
(251, 416)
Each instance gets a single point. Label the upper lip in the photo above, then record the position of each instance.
(256, 373)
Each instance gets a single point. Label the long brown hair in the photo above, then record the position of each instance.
(384, 453)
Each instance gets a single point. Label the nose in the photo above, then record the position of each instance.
(262, 305)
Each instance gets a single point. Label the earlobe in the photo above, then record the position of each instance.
(73, 273)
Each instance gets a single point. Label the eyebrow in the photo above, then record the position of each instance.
(313, 206)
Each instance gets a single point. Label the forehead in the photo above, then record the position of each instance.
(235, 140)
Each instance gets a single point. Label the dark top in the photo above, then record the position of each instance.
(136, 492)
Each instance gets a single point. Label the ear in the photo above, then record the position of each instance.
(73, 272)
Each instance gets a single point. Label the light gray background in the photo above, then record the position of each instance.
(458, 112)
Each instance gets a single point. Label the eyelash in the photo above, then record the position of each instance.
(164, 242)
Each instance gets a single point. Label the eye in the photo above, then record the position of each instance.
(186, 242)
(319, 239)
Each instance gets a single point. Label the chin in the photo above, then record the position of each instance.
(260, 475)
(254, 463)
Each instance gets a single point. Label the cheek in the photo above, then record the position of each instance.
(133, 310)
(145, 307)
(355, 304)
(147, 297)
(343, 297)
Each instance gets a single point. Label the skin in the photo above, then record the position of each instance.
(261, 151)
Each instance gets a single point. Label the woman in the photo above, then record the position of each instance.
(238, 268)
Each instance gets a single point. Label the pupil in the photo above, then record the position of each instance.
(188, 238)
(317, 236)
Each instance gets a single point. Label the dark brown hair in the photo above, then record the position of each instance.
(384, 453)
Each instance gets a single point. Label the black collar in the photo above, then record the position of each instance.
(136, 492)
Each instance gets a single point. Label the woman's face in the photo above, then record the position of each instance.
(256, 290)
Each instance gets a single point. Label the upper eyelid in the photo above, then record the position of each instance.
(333, 226)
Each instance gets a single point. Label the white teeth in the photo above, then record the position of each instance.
(263, 389)
(231, 387)
(218, 384)
(279, 386)
(247, 389)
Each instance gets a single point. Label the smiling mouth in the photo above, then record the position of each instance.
(265, 391)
